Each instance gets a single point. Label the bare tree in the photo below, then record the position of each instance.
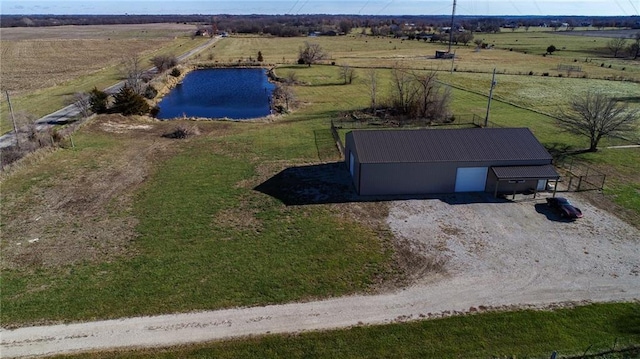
(432, 99)
(615, 45)
(347, 73)
(402, 88)
(465, 37)
(283, 97)
(164, 62)
(311, 53)
(82, 101)
(634, 48)
(597, 115)
(420, 95)
(134, 74)
(373, 86)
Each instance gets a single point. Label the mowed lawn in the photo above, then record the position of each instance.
(524, 334)
(204, 239)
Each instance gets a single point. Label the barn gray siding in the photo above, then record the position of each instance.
(380, 170)
(407, 178)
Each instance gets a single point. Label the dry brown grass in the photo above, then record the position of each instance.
(78, 214)
(69, 206)
(30, 65)
(38, 58)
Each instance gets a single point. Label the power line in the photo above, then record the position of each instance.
(515, 7)
(293, 7)
(363, 6)
(386, 6)
(537, 7)
(634, 7)
(302, 6)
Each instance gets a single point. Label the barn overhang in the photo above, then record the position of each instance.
(517, 174)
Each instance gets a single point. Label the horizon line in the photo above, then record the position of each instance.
(313, 14)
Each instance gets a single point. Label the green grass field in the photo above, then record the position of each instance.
(205, 239)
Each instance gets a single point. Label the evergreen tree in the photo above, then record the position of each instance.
(98, 100)
(127, 102)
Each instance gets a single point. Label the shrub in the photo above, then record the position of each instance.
(98, 101)
(154, 111)
(301, 61)
(175, 72)
(164, 62)
(11, 154)
(150, 92)
(127, 102)
(182, 131)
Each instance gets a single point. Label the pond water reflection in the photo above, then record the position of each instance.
(218, 93)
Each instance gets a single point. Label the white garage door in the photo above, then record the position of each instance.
(471, 179)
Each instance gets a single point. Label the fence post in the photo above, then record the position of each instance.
(579, 183)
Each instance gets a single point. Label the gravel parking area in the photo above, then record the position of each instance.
(520, 243)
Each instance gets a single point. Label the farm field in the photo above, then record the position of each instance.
(131, 223)
(43, 67)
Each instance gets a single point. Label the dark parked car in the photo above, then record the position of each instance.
(564, 207)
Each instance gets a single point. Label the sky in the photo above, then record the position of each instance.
(299, 7)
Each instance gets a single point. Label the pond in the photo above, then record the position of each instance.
(219, 93)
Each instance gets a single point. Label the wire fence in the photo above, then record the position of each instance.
(578, 177)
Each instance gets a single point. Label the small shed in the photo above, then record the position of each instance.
(426, 161)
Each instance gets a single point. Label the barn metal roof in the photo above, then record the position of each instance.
(438, 145)
(525, 172)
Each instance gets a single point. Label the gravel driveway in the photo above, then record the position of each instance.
(478, 253)
(525, 242)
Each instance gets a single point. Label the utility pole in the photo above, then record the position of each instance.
(453, 59)
(453, 14)
(13, 118)
(493, 84)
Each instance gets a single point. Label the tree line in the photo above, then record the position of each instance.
(288, 25)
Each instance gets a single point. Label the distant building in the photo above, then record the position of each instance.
(202, 32)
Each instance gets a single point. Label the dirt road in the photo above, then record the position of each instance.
(487, 255)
